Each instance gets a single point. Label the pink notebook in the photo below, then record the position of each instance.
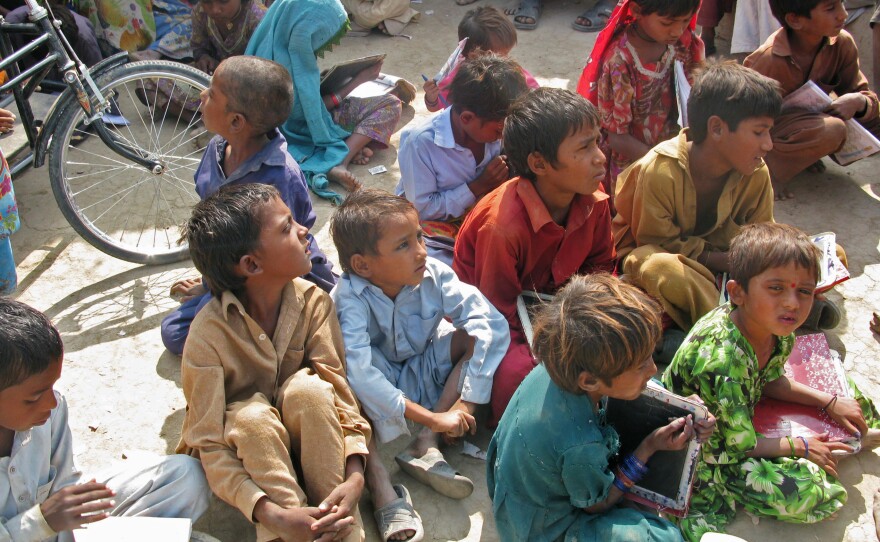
(814, 364)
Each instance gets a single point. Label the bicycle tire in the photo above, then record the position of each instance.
(118, 206)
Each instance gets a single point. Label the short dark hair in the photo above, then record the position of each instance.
(487, 86)
(29, 343)
(225, 227)
(759, 247)
(731, 92)
(598, 324)
(540, 121)
(484, 27)
(259, 89)
(356, 225)
(781, 8)
(668, 8)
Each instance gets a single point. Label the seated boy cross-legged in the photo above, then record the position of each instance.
(735, 355)
(537, 230)
(42, 494)
(269, 410)
(679, 206)
(813, 46)
(405, 360)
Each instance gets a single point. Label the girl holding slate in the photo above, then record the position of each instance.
(551, 467)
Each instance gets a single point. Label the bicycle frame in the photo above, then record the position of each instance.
(77, 77)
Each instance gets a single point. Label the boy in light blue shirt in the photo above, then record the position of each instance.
(404, 360)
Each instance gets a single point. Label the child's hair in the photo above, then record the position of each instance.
(356, 225)
(485, 27)
(29, 343)
(259, 89)
(225, 227)
(598, 324)
(731, 92)
(540, 122)
(759, 247)
(668, 8)
(487, 86)
(781, 8)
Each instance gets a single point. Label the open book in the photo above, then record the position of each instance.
(341, 74)
(667, 486)
(860, 143)
(135, 529)
(813, 364)
(451, 62)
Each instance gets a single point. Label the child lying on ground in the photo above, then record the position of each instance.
(405, 360)
(487, 31)
(269, 410)
(246, 103)
(734, 356)
(537, 230)
(812, 46)
(550, 463)
(454, 158)
(42, 494)
(630, 76)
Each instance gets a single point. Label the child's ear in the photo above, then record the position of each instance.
(794, 21)
(467, 117)
(248, 265)
(715, 127)
(735, 292)
(237, 123)
(361, 266)
(635, 9)
(537, 163)
(588, 382)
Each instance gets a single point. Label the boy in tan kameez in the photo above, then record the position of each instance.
(264, 377)
(812, 46)
(679, 206)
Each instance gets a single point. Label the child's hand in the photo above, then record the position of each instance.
(76, 505)
(337, 508)
(207, 64)
(7, 121)
(454, 423)
(821, 452)
(674, 436)
(432, 95)
(290, 524)
(848, 413)
(847, 106)
(703, 428)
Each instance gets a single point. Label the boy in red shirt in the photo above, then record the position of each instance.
(537, 230)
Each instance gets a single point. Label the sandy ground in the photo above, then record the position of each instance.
(124, 388)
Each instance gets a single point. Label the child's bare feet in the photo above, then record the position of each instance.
(343, 176)
(188, 288)
(781, 192)
(817, 167)
(875, 323)
(363, 156)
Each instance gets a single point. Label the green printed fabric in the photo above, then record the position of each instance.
(717, 363)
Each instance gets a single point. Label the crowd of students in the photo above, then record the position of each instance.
(294, 376)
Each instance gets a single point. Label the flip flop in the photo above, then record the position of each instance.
(399, 515)
(432, 470)
(594, 14)
(530, 9)
(824, 315)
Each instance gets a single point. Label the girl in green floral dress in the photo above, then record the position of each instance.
(735, 355)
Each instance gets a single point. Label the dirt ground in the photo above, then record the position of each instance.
(124, 388)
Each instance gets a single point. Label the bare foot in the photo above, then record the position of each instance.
(341, 175)
(817, 167)
(781, 192)
(363, 156)
(382, 494)
(875, 323)
(876, 509)
(188, 288)
(871, 440)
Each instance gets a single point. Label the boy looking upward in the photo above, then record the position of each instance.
(42, 494)
(248, 99)
(454, 158)
(812, 46)
(679, 206)
(537, 230)
(264, 378)
(405, 360)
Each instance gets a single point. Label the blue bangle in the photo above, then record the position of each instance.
(618, 483)
(806, 448)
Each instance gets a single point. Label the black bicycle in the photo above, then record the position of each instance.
(123, 140)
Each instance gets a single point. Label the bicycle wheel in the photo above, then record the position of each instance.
(120, 207)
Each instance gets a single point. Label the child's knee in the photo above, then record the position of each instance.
(833, 134)
(305, 391)
(188, 474)
(249, 418)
